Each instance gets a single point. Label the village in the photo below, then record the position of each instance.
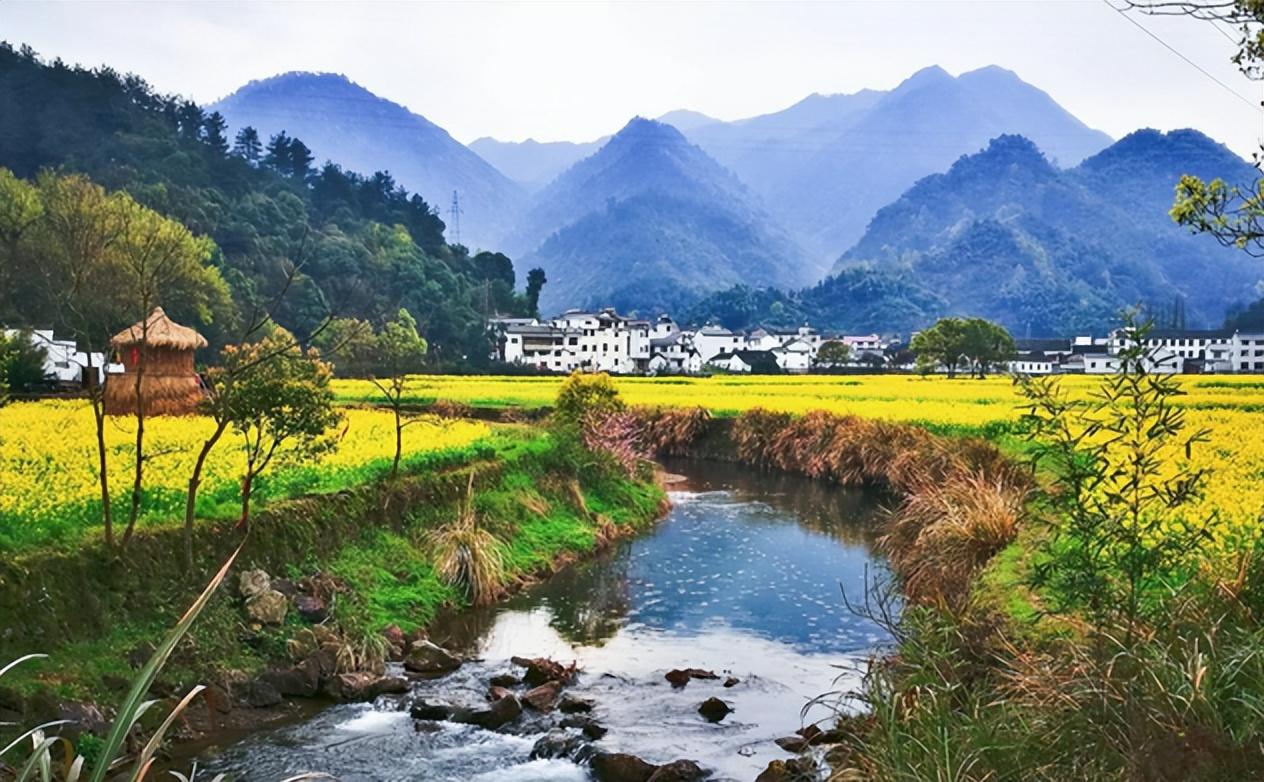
(606, 341)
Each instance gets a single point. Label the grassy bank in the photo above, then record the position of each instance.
(90, 613)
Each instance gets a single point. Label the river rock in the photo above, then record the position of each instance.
(425, 657)
(714, 709)
(396, 643)
(573, 704)
(497, 715)
(732, 681)
(217, 699)
(544, 697)
(267, 608)
(561, 744)
(794, 770)
(679, 677)
(301, 682)
(431, 710)
(504, 680)
(542, 669)
(794, 744)
(679, 771)
(363, 686)
(311, 608)
(252, 583)
(586, 725)
(620, 767)
(258, 694)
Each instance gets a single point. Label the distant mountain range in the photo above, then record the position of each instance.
(341, 121)
(1051, 227)
(660, 223)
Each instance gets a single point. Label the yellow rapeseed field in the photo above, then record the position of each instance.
(1231, 407)
(48, 479)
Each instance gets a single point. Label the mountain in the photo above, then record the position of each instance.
(1007, 235)
(651, 222)
(533, 164)
(341, 121)
(825, 164)
(685, 120)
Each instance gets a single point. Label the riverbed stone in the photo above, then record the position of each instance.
(560, 744)
(252, 583)
(794, 770)
(620, 767)
(497, 715)
(294, 682)
(679, 771)
(732, 681)
(544, 697)
(794, 744)
(258, 694)
(679, 677)
(586, 725)
(428, 658)
(363, 686)
(217, 699)
(573, 704)
(542, 669)
(431, 710)
(714, 710)
(267, 608)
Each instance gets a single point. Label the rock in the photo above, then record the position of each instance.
(573, 704)
(679, 771)
(558, 744)
(795, 770)
(258, 694)
(82, 718)
(431, 710)
(542, 669)
(396, 643)
(620, 767)
(301, 682)
(362, 686)
(414, 638)
(252, 583)
(311, 608)
(504, 680)
(831, 736)
(268, 608)
(498, 714)
(810, 732)
(794, 744)
(544, 697)
(586, 725)
(714, 709)
(497, 693)
(217, 699)
(425, 657)
(285, 586)
(732, 681)
(680, 677)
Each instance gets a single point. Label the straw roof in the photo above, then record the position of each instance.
(159, 331)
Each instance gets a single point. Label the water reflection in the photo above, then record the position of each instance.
(744, 577)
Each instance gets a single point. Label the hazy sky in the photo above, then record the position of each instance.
(579, 70)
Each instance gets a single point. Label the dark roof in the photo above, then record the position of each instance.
(1189, 334)
(759, 360)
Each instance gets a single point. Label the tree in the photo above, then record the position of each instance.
(535, 284)
(278, 154)
(300, 160)
(833, 353)
(985, 344)
(20, 211)
(282, 407)
(247, 145)
(943, 343)
(22, 363)
(1232, 213)
(214, 133)
(390, 356)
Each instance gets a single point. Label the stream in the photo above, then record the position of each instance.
(744, 577)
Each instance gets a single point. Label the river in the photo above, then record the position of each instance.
(744, 577)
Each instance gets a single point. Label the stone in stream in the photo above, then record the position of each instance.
(431, 710)
(714, 709)
(363, 686)
(586, 725)
(679, 677)
(679, 771)
(795, 770)
(794, 744)
(620, 767)
(557, 744)
(252, 583)
(573, 704)
(542, 669)
(497, 693)
(732, 681)
(267, 608)
(428, 658)
(544, 697)
(495, 716)
(258, 694)
(297, 682)
(504, 680)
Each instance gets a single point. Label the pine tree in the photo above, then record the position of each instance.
(215, 128)
(248, 146)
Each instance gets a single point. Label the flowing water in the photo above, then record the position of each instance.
(744, 577)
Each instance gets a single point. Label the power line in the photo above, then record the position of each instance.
(1190, 62)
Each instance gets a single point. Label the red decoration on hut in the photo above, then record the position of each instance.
(159, 353)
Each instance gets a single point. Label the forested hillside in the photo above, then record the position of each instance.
(316, 239)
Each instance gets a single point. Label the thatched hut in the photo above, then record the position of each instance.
(160, 351)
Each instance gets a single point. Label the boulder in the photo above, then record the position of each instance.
(431, 710)
(497, 693)
(573, 704)
(560, 744)
(81, 718)
(542, 669)
(795, 744)
(252, 583)
(258, 694)
(311, 608)
(732, 681)
(500, 713)
(267, 608)
(362, 686)
(300, 681)
(217, 699)
(544, 697)
(396, 643)
(425, 657)
(620, 767)
(505, 680)
(714, 709)
(794, 770)
(586, 725)
(679, 677)
(679, 771)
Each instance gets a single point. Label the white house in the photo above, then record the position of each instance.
(713, 340)
(795, 356)
(64, 364)
(674, 354)
(745, 362)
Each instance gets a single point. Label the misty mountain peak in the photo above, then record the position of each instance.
(930, 76)
(640, 130)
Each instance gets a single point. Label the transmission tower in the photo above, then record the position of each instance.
(454, 220)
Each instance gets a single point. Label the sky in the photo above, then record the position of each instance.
(579, 70)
